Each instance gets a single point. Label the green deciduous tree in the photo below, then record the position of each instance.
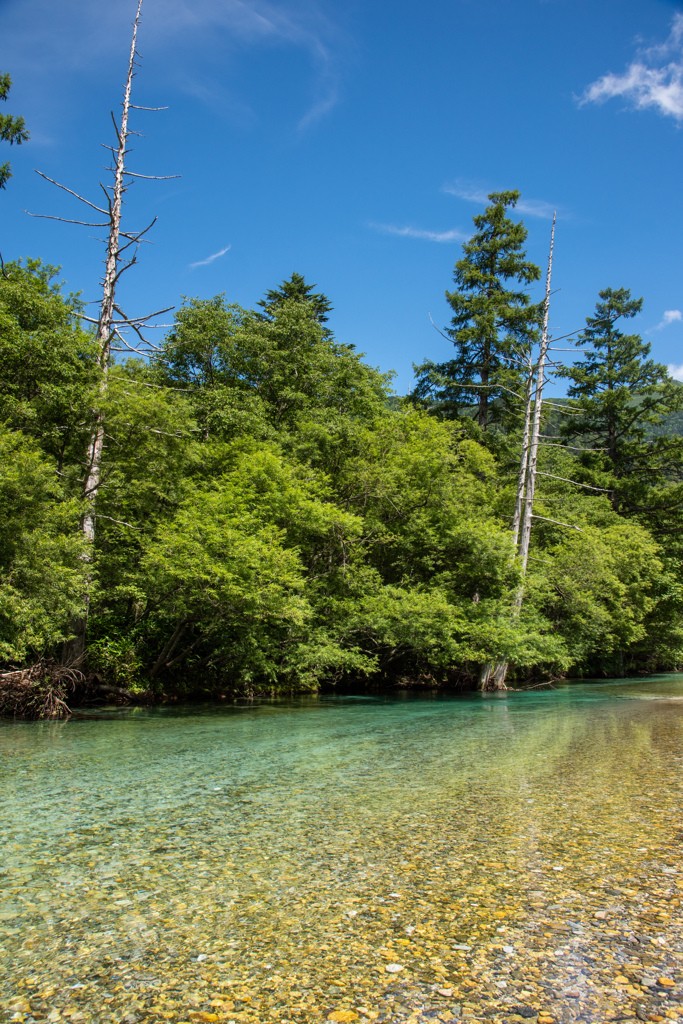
(48, 363)
(267, 374)
(267, 520)
(41, 571)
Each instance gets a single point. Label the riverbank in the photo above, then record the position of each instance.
(47, 690)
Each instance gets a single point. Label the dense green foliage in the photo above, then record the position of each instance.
(271, 517)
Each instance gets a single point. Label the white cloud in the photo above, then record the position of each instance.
(654, 79)
(471, 194)
(532, 207)
(210, 259)
(430, 236)
(670, 317)
(676, 371)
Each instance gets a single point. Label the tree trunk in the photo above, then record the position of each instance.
(536, 425)
(484, 395)
(74, 651)
(493, 675)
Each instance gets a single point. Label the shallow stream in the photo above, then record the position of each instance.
(348, 858)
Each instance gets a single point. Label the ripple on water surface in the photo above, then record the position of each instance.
(348, 858)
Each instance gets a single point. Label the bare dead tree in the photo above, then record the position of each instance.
(536, 425)
(492, 676)
(112, 323)
(521, 479)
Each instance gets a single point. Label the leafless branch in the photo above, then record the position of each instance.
(140, 352)
(153, 177)
(137, 235)
(160, 387)
(590, 487)
(141, 319)
(438, 330)
(557, 523)
(562, 408)
(66, 220)
(71, 192)
(118, 134)
(119, 522)
(571, 447)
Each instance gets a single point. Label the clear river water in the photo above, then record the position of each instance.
(348, 858)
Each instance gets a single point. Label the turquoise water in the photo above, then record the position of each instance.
(373, 858)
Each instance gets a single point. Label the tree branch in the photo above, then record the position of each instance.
(605, 490)
(557, 523)
(99, 515)
(153, 177)
(71, 192)
(66, 220)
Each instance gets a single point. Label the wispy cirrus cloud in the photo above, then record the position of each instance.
(210, 259)
(203, 37)
(653, 80)
(670, 317)
(474, 194)
(453, 235)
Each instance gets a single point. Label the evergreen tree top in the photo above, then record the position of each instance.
(494, 254)
(615, 359)
(297, 290)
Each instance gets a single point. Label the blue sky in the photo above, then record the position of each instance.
(353, 142)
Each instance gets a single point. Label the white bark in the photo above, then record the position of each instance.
(75, 650)
(492, 676)
(536, 424)
(521, 479)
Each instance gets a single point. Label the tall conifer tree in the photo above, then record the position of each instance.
(623, 396)
(493, 317)
(297, 290)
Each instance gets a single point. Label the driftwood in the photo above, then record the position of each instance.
(44, 690)
(118, 691)
(40, 691)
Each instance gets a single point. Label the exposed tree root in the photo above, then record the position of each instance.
(40, 691)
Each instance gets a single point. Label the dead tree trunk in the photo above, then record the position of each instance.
(492, 676)
(111, 320)
(75, 649)
(521, 478)
(536, 426)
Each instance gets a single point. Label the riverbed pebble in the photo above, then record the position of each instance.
(282, 903)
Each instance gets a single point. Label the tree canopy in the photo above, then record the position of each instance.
(270, 517)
